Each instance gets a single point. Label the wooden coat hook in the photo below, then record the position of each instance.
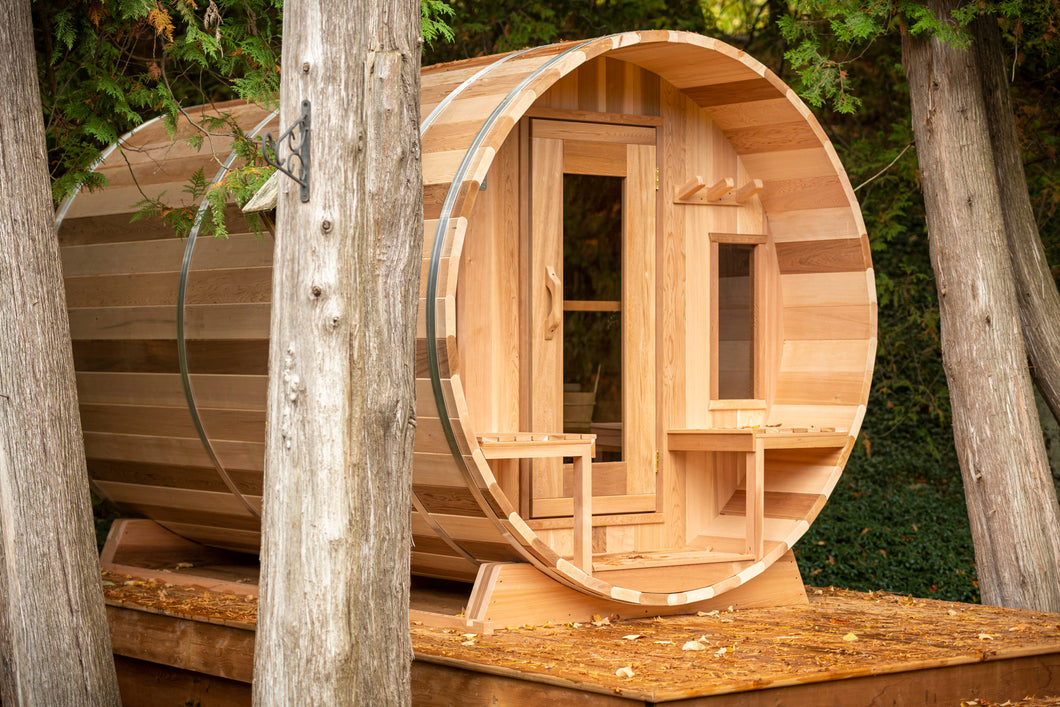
(722, 193)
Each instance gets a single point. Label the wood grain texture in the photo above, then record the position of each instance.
(996, 431)
(823, 256)
(54, 645)
(341, 405)
(147, 684)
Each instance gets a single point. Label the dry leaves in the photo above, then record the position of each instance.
(626, 672)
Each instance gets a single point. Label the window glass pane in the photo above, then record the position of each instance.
(736, 343)
(592, 292)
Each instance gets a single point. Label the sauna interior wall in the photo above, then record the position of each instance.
(492, 273)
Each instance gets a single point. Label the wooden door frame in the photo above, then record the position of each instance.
(573, 147)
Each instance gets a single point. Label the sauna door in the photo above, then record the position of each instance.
(592, 294)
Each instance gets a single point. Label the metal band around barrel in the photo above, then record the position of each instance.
(439, 239)
(60, 213)
(182, 349)
(439, 402)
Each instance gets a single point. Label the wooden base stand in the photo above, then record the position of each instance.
(504, 594)
(514, 594)
(145, 549)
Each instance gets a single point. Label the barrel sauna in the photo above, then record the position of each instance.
(650, 225)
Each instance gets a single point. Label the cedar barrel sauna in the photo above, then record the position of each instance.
(650, 225)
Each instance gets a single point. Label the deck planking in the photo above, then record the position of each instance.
(842, 648)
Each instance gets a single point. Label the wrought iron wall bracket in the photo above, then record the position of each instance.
(298, 148)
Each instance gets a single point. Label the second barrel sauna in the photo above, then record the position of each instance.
(648, 324)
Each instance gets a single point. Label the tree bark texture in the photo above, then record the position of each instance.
(333, 620)
(1039, 300)
(54, 642)
(1015, 520)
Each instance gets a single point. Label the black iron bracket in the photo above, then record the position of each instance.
(297, 147)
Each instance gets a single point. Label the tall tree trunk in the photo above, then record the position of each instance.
(333, 621)
(54, 643)
(1039, 300)
(1014, 516)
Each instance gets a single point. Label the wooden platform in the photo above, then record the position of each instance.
(185, 645)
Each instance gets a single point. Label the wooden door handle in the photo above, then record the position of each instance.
(555, 301)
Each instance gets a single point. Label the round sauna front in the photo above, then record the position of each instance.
(647, 328)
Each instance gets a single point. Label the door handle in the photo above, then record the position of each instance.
(555, 302)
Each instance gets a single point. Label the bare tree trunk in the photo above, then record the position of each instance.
(1039, 300)
(54, 642)
(333, 621)
(1014, 516)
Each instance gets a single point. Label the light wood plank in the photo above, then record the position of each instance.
(208, 321)
(592, 132)
(169, 450)
(825, 289)
(211, 391)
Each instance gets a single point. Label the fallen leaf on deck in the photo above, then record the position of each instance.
(722, 651)
(985, 637)
(597, 621)
(850, 637)
(632, 636)
(692, 646)
(707, 613)
(468, 643)
(626, 672)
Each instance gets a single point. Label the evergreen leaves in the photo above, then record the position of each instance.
(828, 36)
(106, 68)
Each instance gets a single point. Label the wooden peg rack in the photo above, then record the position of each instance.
(721, 193)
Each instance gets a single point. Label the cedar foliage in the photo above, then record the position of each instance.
(107, 67)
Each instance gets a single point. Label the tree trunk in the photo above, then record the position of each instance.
(54, 642)
(1014, 516)
(333, 620)
(1039, 300)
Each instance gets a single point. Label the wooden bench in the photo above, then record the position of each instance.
(538, 445)
(752, 442)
